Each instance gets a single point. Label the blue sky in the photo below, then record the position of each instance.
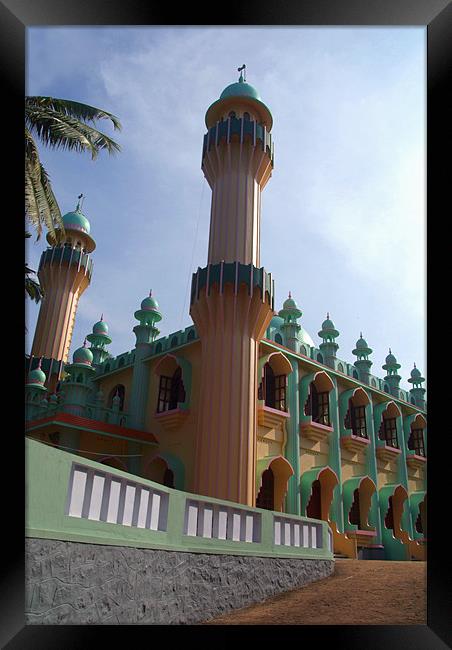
(343, 216)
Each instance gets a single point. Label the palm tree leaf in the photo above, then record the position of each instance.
(57, 130)
(41, 206)
(77, 110)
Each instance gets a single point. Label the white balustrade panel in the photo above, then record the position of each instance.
(105, 497)
(213, 521)
(292, 532)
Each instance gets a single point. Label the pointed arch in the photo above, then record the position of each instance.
(358, 491)
(174, 383)
(325, 479)
(115, 462)
(119, 389)
(282, 470)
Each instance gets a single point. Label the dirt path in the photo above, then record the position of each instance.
(361, 592)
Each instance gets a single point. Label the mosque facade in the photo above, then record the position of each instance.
(242, 405)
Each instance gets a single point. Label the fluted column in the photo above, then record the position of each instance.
(230, 323)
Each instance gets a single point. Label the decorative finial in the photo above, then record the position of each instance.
(360, 335)
(150, 293)
(290, 295)
(415, 364)
(242, 78)
(79, 203)
(328, 315)
(102, 317)
(39, 362)
(390, 351)
(85, 343)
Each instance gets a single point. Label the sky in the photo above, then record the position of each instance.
(343, 215)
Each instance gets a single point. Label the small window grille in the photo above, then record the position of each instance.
(388, 432)
(358, 421)
(416, 442)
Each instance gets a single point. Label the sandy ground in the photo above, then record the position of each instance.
(361, 592)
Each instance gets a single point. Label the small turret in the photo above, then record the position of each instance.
(329, 347)
(148, 315)
(76, 388)
(99, 339)
(290, 329)
(35, 393)
(392, 377)
(417, 392)
(362, 363)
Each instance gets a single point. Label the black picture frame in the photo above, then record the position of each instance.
(15, 17)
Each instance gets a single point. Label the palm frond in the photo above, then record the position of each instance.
(41, 207)
(68, 107)
(32, 288)
(57, 130)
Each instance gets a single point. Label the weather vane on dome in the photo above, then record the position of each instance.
(242, 77)
(81, 198)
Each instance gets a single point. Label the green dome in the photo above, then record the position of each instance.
(361, 343)
(83, 355)
(328, 325)
(76, 221)
(240, 89)
(100, 327)
(37, 376)
(415, 373)
(276, 322)
(150, 304)
(290, 303)
(390, 359)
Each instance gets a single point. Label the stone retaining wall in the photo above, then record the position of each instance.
(80, 583)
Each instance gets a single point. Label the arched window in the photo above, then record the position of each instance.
(355, 374)
(386, 388)
(79, 379)
(171, 391)
(355, 418)
(303, 350)
(158, 348)
(416, 439)
(231, 114)
(265, 498)
(278, 338)
(121, 391)
(107, 367)
(340, 367)
(373, 383)
(273, 389)
(174, 341)
(121, 362)
(388, 426)
(389, 517)
(320, 358)
(168, 478)
(158, 471)
(191, 335)
(314, 507)
(246, 115)
(354, 515)
(318, 405)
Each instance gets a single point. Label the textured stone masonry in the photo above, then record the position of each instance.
(77, 583)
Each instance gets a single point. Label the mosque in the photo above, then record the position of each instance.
(242, 405)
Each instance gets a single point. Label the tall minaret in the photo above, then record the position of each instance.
(64, 272)
(232, 298)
